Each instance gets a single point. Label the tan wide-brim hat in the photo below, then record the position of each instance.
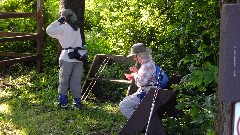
(139, 48)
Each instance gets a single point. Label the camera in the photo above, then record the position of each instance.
(78, 53)
(71, 53)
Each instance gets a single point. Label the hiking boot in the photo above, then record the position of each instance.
(62, 106)
(63, 101)
(77, 103)
(76, 106)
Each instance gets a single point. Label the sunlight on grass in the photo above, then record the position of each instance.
(6, 125)
(111, 108)
(8, 128)
(5, 94)
(4, 108)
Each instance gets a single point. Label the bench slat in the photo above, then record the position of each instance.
(110, 80)
(138, 121)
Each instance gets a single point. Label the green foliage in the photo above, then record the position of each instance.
(184, 37)
(197, 117)
(123, 23)
(18, 24)
(173, 30)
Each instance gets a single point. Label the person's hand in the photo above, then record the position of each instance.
(129, 76)
(62, 19)
(133, 69)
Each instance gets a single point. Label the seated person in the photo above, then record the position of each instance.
(144, 78)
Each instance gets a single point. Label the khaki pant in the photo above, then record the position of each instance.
(70, 74)
(130, 103)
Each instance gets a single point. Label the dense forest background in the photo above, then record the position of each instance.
(184, 36)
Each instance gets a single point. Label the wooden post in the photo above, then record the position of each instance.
(229, 69)
(40, 32)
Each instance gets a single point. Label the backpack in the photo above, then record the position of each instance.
(161, 77)
(161, 81)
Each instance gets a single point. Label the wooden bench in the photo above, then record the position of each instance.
(165, 102)
(99, 61)
(136, 124)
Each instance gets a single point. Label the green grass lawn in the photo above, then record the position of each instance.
(28, 106)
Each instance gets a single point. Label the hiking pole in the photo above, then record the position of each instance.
(94, 80)
(158, 87)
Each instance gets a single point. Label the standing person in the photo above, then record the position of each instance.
(144, 78)
(71, 59)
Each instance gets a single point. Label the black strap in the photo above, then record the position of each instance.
(79, 48)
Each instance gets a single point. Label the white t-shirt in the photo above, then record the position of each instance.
(66, 36)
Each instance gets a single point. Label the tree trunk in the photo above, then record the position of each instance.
(78, 7)
(224, 118)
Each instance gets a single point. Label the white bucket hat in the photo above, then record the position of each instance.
(139, 48)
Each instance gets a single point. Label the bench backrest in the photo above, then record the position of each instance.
(174, 79)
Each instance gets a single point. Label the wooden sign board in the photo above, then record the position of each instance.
(229, 61)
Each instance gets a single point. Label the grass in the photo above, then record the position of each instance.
(28, 105)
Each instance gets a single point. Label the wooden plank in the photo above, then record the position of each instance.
(97, 63)
(5, 15)
(156, 126)
(13, 34)
(110, 80)
(137, 123)
(93, 72)
(122, 59)
(117, 58)
(100, 58)
(88, 84)
(17, 60)
(229, 54)
(14, 54)
(19, 38)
